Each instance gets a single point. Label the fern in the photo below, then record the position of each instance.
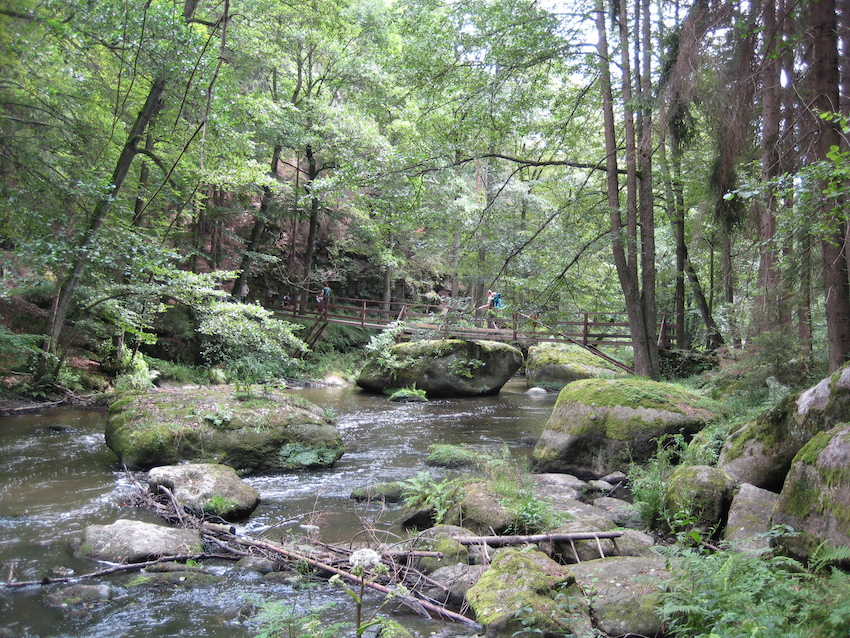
(826, 556)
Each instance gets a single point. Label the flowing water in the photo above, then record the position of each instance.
(57, 476)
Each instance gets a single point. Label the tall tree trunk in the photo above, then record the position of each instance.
(313, 229)
(769, 313)
(625, 272)
(824, 81)
(260, 220)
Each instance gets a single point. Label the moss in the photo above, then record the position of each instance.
(565, 354)
(452, 456)
(635, 393)
(219, 505)
(296, 456)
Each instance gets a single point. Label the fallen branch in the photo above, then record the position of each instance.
(496, 541)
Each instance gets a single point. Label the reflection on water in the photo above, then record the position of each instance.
(57, 476)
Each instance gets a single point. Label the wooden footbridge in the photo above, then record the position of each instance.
(587, 330)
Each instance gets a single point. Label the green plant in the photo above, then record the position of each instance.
(424, 491)
(649, 481)
(379, 348)
(137, 375)
(464, 367)
(452, 456)
(220, 418)
(281, 619)
(218, 504)
(738, 595)
(409, 394)
(531, 514)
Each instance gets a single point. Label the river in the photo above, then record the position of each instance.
(57, 476)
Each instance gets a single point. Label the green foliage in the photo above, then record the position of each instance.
(464, 367)
(380, 344)
(422, 491)
(649, 481)
(741, 595)
(219, 504)
(219, 419)
(281, 619)
(178, 372)
(452, 456)
(409, 394)
(137, 375)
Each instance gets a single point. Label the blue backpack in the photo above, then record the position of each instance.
(497, 300)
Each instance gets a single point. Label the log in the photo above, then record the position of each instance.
(497, 541)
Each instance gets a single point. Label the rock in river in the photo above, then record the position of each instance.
(443, 367)
(266, 432)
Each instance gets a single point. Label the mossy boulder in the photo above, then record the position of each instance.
(387, 491)
(207, 488)
(703, 491)
(749, 518)
(626, 592)
(481, 509)
(760, 453)
(126, 541)
(815, 499)
(554, 365)
(443, 368)
(271, 432)
(518, 593)
(601, 425)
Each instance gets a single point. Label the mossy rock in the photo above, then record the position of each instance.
(482, 510)
(815, 499)
(440, 538)
(265, 433)
(554, 365)
(760, 453)
(444, 368)
(626, 593)
(388, 491)
(601, 425)
(207, 488)
(748, 522)
(452, 456)
(518, 594)
(703, 491)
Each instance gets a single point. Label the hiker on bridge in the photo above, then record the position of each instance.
(494, 301)
(324, 299)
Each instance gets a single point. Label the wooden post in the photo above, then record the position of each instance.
(515, 318)
(363, 313)
(585, 330)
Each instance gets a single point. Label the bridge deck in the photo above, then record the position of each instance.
(588, 330)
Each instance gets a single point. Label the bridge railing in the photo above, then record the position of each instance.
(598, 329)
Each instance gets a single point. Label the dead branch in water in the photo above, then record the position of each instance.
(497, 541)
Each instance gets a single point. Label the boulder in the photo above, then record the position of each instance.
(518, 594)
(455, 581)
(626, 591)
(481, 510)
(578, 551)
(552, 485)
(749, 519)
(815, 499)
(271, 432)
(601, 425)
(554, 365)
(207, 488)
(79, 595)
(623, 513)
(440, 538)
(703, 491)
(387, 491)
(443, 368)
(761, 452)
(126, 541)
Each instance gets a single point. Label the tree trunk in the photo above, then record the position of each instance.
(824, 80)
(259, 226)
(313, 230)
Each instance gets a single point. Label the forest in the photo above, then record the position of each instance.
(644, 158)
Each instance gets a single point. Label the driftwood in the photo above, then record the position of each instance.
(497, 541)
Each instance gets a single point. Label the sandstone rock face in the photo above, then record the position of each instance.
(600, 425)
(760, 453)
(207, 488)
(126, 541)
(444, 368)
(260, 433)
(749, 518)
(815, 499)
(704, 491)
(554, 365)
